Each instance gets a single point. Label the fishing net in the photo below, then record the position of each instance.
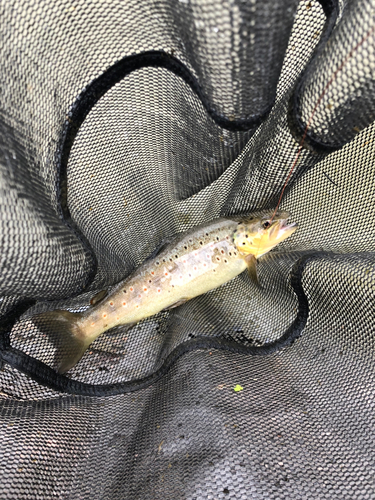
(126, 123)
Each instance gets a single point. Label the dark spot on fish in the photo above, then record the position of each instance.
(246, 235)
(217, 238)
(149, 281)
(222, 251)
(176, 256)
(157, 262)
(230, 253)
(225, 260)
(201, 242)
(244, 243)
(217, 258)
(185, 247)
(206, 234)
(170, 259)
(124, 291)
(163, 260)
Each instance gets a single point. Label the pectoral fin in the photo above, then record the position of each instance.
(252, 268)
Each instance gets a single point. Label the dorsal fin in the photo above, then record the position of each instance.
(98, 297)
(163, 245)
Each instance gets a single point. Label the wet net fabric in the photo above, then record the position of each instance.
(124, 124)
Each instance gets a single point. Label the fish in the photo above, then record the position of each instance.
(195, 262)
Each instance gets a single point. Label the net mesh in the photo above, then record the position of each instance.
(124, 124)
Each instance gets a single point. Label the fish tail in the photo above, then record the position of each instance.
(65, 330)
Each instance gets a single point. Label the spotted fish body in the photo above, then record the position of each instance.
(197, 261)
(201, 260)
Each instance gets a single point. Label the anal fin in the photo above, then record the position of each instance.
(176, 304)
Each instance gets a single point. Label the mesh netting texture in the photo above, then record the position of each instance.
(124, 124)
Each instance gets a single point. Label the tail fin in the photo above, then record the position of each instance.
(63, 329)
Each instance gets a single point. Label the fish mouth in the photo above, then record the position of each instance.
(281, 230)
(287, 229)
(284, 224)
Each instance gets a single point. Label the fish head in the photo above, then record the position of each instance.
(258, 235)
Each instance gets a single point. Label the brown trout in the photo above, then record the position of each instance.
(197, 261)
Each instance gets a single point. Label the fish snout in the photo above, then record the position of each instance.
(286, 230)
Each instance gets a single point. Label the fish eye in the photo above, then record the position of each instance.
(266, 224)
